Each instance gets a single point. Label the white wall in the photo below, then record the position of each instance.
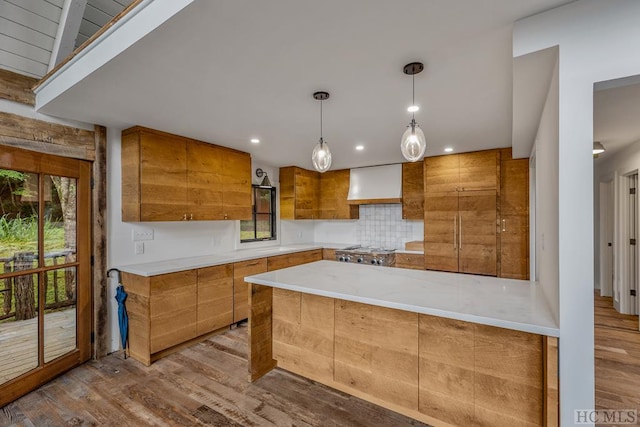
(546, 181)
(598, 41)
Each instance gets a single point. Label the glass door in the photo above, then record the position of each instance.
(45, 283)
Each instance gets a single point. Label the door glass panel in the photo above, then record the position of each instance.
(59, 219)
(18, 325)
(18, 219)
(59, 312)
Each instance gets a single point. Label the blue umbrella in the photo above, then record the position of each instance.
(123, 317)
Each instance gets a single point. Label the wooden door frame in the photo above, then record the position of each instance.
(32, 162)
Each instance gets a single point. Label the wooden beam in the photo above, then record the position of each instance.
(89, 41)
(16, 87)
(68, 28)
(99, 208)
(46, 137)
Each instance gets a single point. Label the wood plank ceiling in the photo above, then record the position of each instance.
(28, 30)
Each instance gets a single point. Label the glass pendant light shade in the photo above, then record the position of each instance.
(413, 144)
(321, 156)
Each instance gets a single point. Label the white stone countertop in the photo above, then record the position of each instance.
(181, 264)
(505, 303)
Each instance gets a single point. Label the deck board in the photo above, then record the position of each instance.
(19, 342)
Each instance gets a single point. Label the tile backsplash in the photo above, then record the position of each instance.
(383, 226)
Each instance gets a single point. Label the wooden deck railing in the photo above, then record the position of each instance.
(19, 292)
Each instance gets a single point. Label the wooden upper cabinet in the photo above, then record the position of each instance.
(236, 178)
(299, 193)
(442, 174)
(479, 170)
(171, 178)
(204, 181)
(334, 190)
(462, 172)
(514, 217)
(306, 194)
(413, 190)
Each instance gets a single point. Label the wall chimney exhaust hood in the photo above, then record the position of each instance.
(375, 184)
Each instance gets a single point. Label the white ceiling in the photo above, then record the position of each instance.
(228, 71)
(616, 116)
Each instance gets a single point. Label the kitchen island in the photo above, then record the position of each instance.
(443, 348)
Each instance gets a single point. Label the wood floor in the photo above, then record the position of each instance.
(202, 385)
(19, 342)
(617, 352)
(207, 385)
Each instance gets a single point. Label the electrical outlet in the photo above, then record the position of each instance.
(141, 235)
(139, 248)
(299, 234)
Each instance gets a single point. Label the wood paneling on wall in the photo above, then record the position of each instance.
(46, 137)
(16, 87)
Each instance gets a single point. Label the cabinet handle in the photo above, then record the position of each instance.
(184, 217)
(191, 218)
(504, 225)
(226, 216)
(455, 235)
(460, 232)
(252, 264)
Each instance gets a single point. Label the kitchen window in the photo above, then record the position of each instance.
(263, 224)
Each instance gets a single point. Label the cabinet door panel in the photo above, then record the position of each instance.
(514, 221)
(215, 298)
(413, 190)
(204, 181)
(477, 235)
(441, 174)
(307, 189)
(172, 309)
(236, 169)
(163, 178)
(479, 170)
(241, 288)
(441, 231)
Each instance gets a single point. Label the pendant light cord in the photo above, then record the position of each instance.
(321, 120)
(413, 95)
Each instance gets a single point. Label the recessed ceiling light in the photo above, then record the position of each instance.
(413, 109)
(255, 141)
(359, 147)
(448, 149)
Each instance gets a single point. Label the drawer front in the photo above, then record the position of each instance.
(290, 260)
(241, 288)
(413, 261)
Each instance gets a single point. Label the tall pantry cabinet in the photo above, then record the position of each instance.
(476, 214)
(460, 212)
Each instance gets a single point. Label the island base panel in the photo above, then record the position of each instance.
(436, 370)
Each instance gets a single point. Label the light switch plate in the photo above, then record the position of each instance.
(141, 235)
(139, 248)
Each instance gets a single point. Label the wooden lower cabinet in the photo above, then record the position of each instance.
(241, 288)
(172, 309)
(289, 260)
(437, 370)
(215, 298)
(329, 254)
(412, 261)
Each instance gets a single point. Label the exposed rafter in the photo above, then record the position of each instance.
(70, 20)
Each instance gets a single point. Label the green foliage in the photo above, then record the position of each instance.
(21, 234)
(9, 174)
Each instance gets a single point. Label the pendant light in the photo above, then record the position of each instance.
(413, 143)
(598, 148)
(321, 156)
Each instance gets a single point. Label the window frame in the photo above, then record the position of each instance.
(254, 213)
